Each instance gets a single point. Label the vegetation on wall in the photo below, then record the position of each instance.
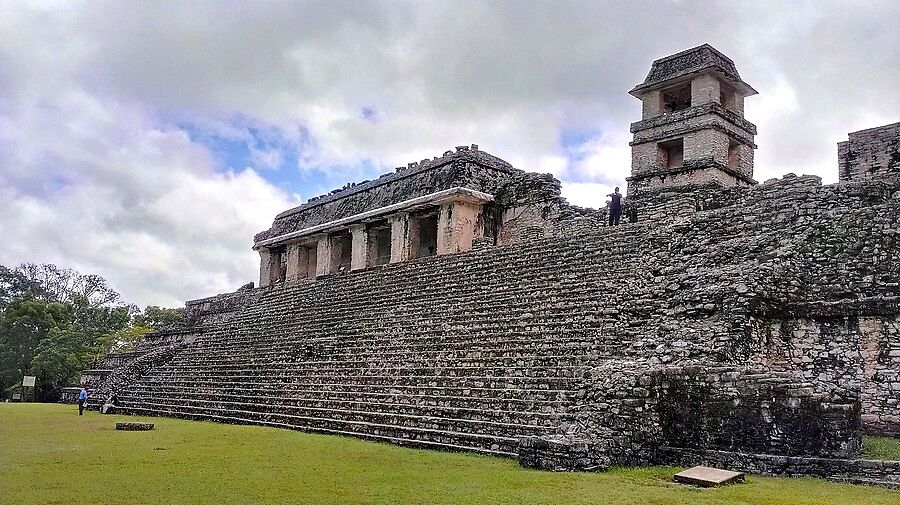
(55, 322)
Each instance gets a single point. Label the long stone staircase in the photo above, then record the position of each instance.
(466, 351)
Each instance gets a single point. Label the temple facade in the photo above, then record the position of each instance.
(428, 208)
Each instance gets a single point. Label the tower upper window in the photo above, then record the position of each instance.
(676, 99)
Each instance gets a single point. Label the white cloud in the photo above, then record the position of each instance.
(90, 162)
(587, 194)
(140, 206)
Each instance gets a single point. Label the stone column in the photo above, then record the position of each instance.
(359, 247)
(297, 263)
(705, 89)
(458, 224)
(705, 146)
(292, 273)
(413, 237)
(399, 237)
(651, 104)
(265, 268)
(323, 256)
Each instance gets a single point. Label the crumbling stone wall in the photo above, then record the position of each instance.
(529, 204)
(857, 354)
(626, 411)
(871, 153)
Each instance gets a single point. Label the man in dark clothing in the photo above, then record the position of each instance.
(615, 207)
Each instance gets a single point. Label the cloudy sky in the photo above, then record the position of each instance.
(148, 141)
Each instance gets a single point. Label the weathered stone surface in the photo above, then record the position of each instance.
(133, 426)
(705, 476)
(870, 153)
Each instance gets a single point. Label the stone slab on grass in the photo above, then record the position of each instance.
(133, 426)
(705, 476)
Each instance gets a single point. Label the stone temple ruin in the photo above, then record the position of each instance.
(460, 303)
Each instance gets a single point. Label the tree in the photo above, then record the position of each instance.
(55, 322)
(158, 317)
(15, 285)
(58, 359)
(123, 340)
(24, 323)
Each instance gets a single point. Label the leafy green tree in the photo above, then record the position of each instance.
(123, 340)
(55, 322)
(158, 317)
(58, 360)
(24, 324)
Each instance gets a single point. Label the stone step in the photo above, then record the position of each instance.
(490, 444)
(311, 396)
(299, 370)
(462, 381)
(511, 424)
(487, 394)
(551, 361)
(445, 408)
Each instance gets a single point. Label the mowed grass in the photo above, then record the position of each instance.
(50, 455)
(881, 448)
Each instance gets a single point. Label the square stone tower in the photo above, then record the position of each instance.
(692, 128)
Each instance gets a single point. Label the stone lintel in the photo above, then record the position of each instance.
(693, 167)
(681, 132)
(692, 112)
(739, 86)
(458, 194)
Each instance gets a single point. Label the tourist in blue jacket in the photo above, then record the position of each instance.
(82, 401)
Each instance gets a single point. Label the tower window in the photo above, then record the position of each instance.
(676, 99)
(671, 153)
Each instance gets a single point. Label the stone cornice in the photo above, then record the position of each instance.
(462, 153)
(692, 112)
(692, 167)
(447, 195)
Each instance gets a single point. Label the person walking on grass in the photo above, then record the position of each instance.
(82, 401)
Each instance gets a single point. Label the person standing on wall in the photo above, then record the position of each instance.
(615, 207)
(82, 401)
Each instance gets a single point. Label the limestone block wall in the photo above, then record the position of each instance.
(841, 355)
(870, 153)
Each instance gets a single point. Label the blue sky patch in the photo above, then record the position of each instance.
(276, 154)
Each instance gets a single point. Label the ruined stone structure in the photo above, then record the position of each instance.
(459, 303)
(870, 154)
(433, 207)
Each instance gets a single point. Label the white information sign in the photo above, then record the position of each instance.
(28, 381)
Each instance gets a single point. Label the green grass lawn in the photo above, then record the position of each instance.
(881, 448)
(48, 454)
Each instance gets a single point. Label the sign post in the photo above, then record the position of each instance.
(28, 382)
